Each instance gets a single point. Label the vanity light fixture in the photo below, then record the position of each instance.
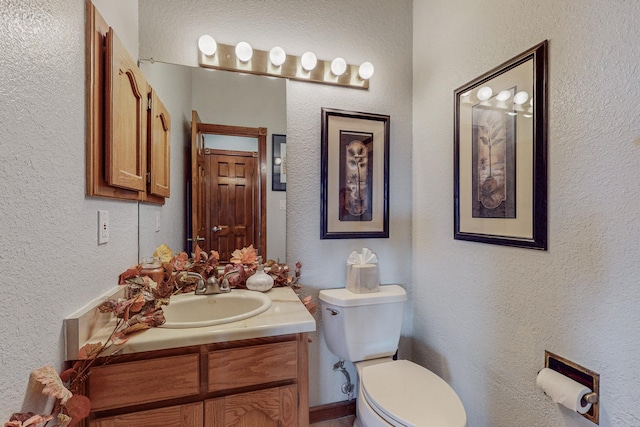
(277, 63)
(308, 61)
(207, 45)
(244, 51)
(338, 66)
(277, 56)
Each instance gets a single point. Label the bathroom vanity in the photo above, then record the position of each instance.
(249, 372)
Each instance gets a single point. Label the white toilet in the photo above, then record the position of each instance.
(365, 329)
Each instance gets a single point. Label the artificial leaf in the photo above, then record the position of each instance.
(179, 262)
(78, 407)
(28, 419)
(90, 351)
(52, 383)
(244, 255)
(130, 273)
(119, 338)
(136, 303)
(134, 328)
(64, 420)
(108, 306)
(311, 306)
(164, 253)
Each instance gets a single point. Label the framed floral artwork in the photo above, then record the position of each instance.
(500, 154)
(354, 175)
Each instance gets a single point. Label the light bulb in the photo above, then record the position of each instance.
(503, 95)
(338, 66)
(277, 56)
(207, 45)
(365, 71)
(244, 52)
(484, 93)
(520, 97)
(308, 61)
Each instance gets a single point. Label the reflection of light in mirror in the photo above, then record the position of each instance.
(512, 113)
(503, 95)
(528, 115)
(207, 45)
(308, 61)
(520, 97)
(277, 56)
(484, 93)
(365, 71)
(244, 51)
(338, 66)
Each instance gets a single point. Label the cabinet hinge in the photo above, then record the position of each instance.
(148, 177)
(149, 102)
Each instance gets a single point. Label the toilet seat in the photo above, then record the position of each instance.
(406, 394)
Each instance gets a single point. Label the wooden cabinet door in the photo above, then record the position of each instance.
(188, 415)
(159, 148)
(125, 118)
(274, 407)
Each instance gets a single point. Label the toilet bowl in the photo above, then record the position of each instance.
(365, 329)
(402, 393)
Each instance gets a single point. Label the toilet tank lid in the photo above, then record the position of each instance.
(342, 297)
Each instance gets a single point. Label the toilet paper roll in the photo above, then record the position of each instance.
(563, 390)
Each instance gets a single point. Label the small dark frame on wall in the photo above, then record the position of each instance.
(354, 175)
(500, 154)
(279, 162)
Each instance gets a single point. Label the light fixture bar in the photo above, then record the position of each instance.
(225, 59)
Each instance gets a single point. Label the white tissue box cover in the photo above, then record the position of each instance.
(363, 278)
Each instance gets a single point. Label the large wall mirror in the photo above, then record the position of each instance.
(220, 98)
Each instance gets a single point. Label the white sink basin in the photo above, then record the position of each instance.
(194, 311)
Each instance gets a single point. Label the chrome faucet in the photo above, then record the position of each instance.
(210, 286)
(225, 281)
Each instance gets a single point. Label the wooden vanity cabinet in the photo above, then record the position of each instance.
(128, 126)
(257, 382)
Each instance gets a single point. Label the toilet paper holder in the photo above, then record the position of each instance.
(579, 374)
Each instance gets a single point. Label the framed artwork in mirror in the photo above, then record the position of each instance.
(500, 154)
(279, 162)
(354, 175)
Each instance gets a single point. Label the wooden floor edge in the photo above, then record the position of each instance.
(332, 411)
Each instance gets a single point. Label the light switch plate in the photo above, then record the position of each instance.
(103, 227)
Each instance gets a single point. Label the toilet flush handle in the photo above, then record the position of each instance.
(333, 311)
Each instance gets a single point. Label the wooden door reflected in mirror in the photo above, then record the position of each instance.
(228, 202)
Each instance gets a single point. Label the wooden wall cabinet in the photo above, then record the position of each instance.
(256, 382)
(128, 127)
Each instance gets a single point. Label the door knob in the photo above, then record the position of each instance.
(216, 228)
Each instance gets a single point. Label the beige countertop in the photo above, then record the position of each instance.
(287, 315)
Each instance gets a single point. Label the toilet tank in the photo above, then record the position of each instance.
(362, 326)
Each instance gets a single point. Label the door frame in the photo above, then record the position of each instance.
(261, 135)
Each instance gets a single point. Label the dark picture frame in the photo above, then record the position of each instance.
(278, 162)
(500, 154)
(354, 175)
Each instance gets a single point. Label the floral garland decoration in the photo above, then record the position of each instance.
(141, 310)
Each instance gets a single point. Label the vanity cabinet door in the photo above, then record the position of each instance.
(273, 407)
(188, 415)
(159, 147)
(126, 96)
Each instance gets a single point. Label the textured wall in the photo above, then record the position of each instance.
(358, 31)
(484, 314)
(50, 261)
